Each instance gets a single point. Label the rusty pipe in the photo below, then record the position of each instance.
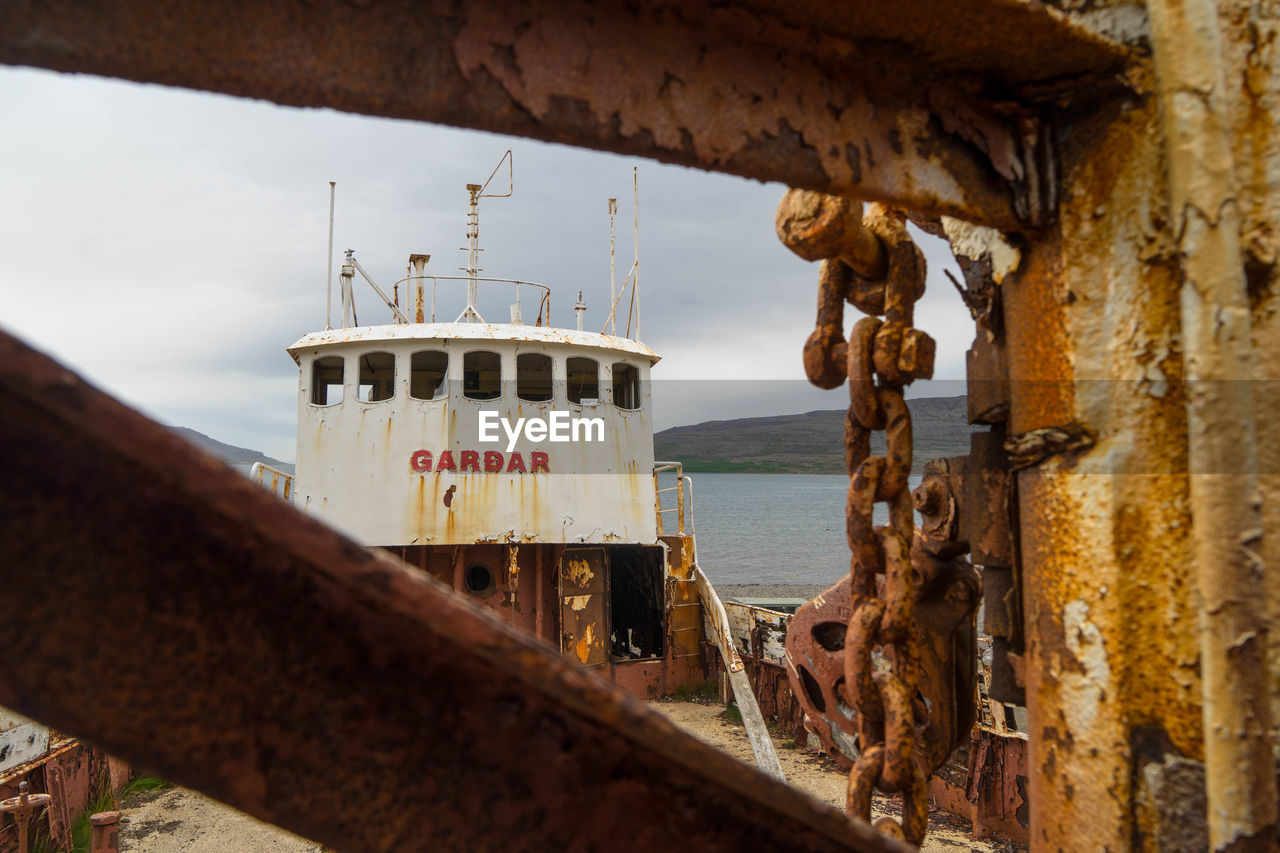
(1218, 363)
(104, 832)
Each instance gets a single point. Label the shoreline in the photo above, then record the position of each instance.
(734, 591)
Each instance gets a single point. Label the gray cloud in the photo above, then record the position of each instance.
(170, 244)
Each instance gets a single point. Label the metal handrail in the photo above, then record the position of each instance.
(259, 470)
(678, 488)
(688, 502)
(543, 301)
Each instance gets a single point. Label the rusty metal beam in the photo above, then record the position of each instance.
(849, 98)
(1220, 366)
(161, 605)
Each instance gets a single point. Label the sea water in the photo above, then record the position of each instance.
(773, 528)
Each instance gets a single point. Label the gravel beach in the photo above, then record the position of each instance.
(738, 591)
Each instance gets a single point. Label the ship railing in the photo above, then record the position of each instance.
(414, 291)
(280, 484)
(683, 491)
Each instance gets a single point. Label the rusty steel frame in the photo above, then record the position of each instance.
(1220, 366)
(1023, 118)
(177, 614)
(837, 100)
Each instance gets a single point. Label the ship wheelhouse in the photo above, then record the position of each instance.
(514, 463)
(457, 433)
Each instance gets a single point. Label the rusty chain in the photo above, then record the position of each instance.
(882, 647)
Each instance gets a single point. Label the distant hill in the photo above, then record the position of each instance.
(811, 443)
(236, 457)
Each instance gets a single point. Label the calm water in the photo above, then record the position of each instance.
(773, 528)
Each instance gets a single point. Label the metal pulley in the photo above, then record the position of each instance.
(943, 710)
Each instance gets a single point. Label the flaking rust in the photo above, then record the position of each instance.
(885, 678)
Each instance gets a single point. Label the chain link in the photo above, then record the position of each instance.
(879, 360)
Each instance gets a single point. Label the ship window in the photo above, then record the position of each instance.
(636, 603)
(427, 370)
(533, 377)
(481, 375)
(377, 377)
(584, 380)
(626, 385)
(326, 380)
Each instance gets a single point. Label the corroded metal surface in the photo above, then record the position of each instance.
(583, 626)
(1218, 363)
(817, 226)
(21, 808)
(104, 832)
(1091, 327)
(816, 639)
(844, 99)
(194, 624)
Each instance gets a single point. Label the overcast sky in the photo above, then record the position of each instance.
(168, 245)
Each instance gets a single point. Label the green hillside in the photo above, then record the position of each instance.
(811, 443)
(236, 457)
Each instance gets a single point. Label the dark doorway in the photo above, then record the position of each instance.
(637, 603)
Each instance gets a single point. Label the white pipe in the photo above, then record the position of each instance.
(399, 315)
(613, 266)
(635, 218)
(473, 252)
(328, 286)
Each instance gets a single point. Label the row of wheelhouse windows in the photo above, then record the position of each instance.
(481, 378)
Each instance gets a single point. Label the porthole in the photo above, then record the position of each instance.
(478, 580)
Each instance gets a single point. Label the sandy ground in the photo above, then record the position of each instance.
(816, 775)
(176, 820)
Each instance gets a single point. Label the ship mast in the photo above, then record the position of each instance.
(476, 192)
(473, 254)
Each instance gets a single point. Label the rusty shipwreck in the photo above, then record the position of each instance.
(406, 442)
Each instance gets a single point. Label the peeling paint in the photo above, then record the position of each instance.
(583, 646)
(579, 571)
(977, 241)
(1087, 689)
